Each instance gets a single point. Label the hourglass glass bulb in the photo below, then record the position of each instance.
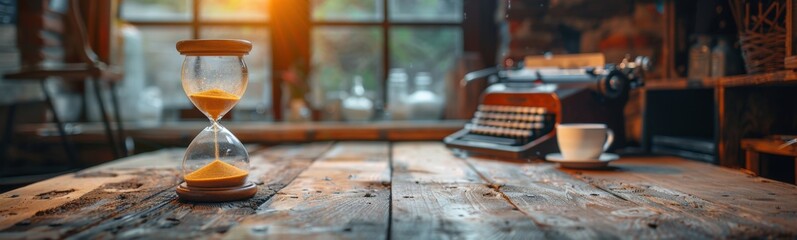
(216, 164)
(215, 158)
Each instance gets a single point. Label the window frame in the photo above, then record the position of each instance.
(385, 25)
(196, 23)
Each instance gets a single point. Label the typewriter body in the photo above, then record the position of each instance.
(520, 108)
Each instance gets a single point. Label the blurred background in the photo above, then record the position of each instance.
(320, 70)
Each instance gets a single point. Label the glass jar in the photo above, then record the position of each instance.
(424, 103)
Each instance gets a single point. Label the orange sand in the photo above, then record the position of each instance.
(215, 102)
(216, 174)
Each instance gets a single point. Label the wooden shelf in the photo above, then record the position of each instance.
(754, 148)
(769, 146)
(738, 106)
(784, 76)
(677, 84)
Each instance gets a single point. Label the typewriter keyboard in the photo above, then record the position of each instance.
(509, 125)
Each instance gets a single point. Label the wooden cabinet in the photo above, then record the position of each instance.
(725, 109)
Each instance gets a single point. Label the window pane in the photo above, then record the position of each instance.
(234, 10)
(258, 91)
(340, 54)
(425, 49)
(347, 10)
(157, 10)
(163, 62)
(426, 10)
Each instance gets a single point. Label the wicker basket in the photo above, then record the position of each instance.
(763, 52)
(762, 33)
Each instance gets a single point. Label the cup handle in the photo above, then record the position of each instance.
(609, 139)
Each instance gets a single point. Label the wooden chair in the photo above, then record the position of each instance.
(78, 63)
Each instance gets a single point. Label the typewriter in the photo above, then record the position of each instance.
(520, 108)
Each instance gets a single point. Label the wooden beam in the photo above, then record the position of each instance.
(722, 134)
(751, 161)
(290, 45)
(480, 31)
(769, 146)
(789, 28)
(785, 77)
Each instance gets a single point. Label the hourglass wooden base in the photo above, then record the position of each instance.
(216, 194)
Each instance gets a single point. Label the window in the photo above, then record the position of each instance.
(164, 22)
(348, 38)
(355, 38)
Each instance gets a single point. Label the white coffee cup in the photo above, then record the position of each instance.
(583, 141)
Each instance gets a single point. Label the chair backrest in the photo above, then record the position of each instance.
(51, 32)
(79, 37)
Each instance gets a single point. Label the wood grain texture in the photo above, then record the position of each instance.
(437, 196)
(704, 199)
(571, 208)
(72, 203)
(770, 146)
(753, 113)
(168, 217)
(35, 199)
(344, 194)
(170, 158)
(777, 77)
(134, 197)
(411, 190)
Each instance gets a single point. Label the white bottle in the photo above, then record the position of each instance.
(700, 59)
(719, 58)
(357, 107)
(150, 107)
(424, 104)
(398, 91)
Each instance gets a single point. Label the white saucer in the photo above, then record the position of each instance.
(601, 162)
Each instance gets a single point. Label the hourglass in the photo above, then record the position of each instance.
(216, 164)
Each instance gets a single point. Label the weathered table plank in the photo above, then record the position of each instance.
(576, 209)
(271, 169)
(437, 196)
(106, 212)
(375, 190)
(170, 158)
(70, 203)
(717, 201)
(705, 181)
(344, 194)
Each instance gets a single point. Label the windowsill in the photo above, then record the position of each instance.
(181, 133)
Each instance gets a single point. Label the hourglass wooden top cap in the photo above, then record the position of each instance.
(214, 47)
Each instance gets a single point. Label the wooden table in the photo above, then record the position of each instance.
(409, 190)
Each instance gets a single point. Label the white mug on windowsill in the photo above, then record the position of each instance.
(583, 141)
